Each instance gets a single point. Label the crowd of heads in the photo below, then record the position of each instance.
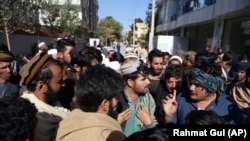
(107, 81)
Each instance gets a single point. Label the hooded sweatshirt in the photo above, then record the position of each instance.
(84, 126)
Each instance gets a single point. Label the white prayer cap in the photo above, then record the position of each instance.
(41, 44)
(115, 65)
(130, 55)
(110, 49)
(52, 51)
(129, 49)
(176, 57)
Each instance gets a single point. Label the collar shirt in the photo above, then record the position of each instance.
(133, 124)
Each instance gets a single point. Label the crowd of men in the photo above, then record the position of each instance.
(97, 93)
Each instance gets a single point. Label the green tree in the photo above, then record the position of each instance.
(143, 38)
(18, 15)
(50, 13)
(70, 20)
(61, 18)
(109, 29)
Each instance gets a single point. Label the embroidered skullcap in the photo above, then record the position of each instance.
(130, 67)
(130, 55)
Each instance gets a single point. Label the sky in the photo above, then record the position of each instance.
(123, 11)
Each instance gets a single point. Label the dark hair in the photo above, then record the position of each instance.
(208, 66)
(97, 84)
(151, 134)
(64, 42)
(117, 56)
(227, 56)
(141, 69)
(173, 71)
(204, 55)
(243, 57)
(84, 56)
(155, 53)
(44, 74)
(202, 117)
(18, 119)
(166, 53)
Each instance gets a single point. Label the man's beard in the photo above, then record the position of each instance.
(142, 93)
(153, 73)
(51, 96)
(112, 113)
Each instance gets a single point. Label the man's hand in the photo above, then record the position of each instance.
(123, 116)
(170, 106)
(144, 116)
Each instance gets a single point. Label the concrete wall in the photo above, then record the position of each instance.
(22, 44)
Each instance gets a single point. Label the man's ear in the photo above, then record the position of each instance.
(104, 107)
(130, 82)
(77, 68)
(41, 86)
(148, 63)
(59, 54)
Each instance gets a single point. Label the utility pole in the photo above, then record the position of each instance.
(151, 34)
(134, 33)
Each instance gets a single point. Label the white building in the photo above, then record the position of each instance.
(220, 23)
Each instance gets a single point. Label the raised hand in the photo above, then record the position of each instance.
(123, 116)
(170, 106)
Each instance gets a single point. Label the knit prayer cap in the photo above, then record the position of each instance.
(32, 68)
(130, 67)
